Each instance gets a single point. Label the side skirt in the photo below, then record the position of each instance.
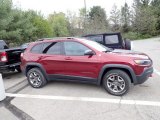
(57, 77)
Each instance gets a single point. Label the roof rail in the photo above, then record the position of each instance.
(42, 39)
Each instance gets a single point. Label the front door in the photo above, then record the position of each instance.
(77, 64)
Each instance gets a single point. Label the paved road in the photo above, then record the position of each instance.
(70, 101)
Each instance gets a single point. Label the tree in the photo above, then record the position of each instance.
(59, 25)
(5, 17)
(144, 21)
(97, 11)
(75, 23)
(83, 19)
(155, 4)
(97, 21)
(115, 18)
(20, 29)
(125, 17)
(42, 26)
(140, 3)
(145, 2)
(15, 25)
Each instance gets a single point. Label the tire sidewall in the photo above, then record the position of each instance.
(122, 74)
(42, 78)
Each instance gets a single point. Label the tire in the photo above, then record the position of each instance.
(127, 44)
(19, 69)
(121, 84)
(36, 78)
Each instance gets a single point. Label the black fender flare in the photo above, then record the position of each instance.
(38, 65)
(117, 66)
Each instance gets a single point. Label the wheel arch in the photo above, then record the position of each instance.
(35, 65)
(124, 68)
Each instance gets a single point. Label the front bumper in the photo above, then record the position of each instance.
(144, 76)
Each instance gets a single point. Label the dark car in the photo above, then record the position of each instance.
(75, 59)
(111, 40)
(25, 45)
(9, 58)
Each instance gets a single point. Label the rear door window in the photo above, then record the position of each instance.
(111, 39)
(54, 48)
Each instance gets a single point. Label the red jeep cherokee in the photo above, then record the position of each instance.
(75, 59)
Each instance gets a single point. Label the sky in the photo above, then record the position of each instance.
(49, 6)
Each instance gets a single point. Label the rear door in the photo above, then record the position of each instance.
(79, 65)
(52, 58)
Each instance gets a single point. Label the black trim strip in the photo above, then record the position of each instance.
(72, 78)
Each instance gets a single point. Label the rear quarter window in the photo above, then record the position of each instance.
(36, 48)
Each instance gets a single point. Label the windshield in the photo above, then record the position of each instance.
(96, 45)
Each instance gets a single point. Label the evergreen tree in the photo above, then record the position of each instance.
(115, 18)
(125, 17)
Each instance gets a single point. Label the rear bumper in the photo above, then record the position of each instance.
(144, 76)
(6, 68)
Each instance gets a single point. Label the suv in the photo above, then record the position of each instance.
(111, 40)
(75, 59)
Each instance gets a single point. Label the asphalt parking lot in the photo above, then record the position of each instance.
(75, 101)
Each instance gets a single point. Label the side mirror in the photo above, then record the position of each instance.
(89, 52)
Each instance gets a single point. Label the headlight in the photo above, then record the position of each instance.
(143, 62)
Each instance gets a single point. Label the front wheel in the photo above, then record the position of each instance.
(116, 82)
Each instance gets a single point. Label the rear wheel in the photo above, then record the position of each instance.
(116, 82)
(36, 78)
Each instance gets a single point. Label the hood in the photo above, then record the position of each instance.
(130, 53)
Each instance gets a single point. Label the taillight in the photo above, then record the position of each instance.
(3, 57)
(21, 55)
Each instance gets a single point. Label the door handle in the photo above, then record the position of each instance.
(68, 58)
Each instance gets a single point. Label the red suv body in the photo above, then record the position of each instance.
(75, 59)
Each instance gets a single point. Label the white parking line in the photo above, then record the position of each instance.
(157, 72)
(87, 99)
